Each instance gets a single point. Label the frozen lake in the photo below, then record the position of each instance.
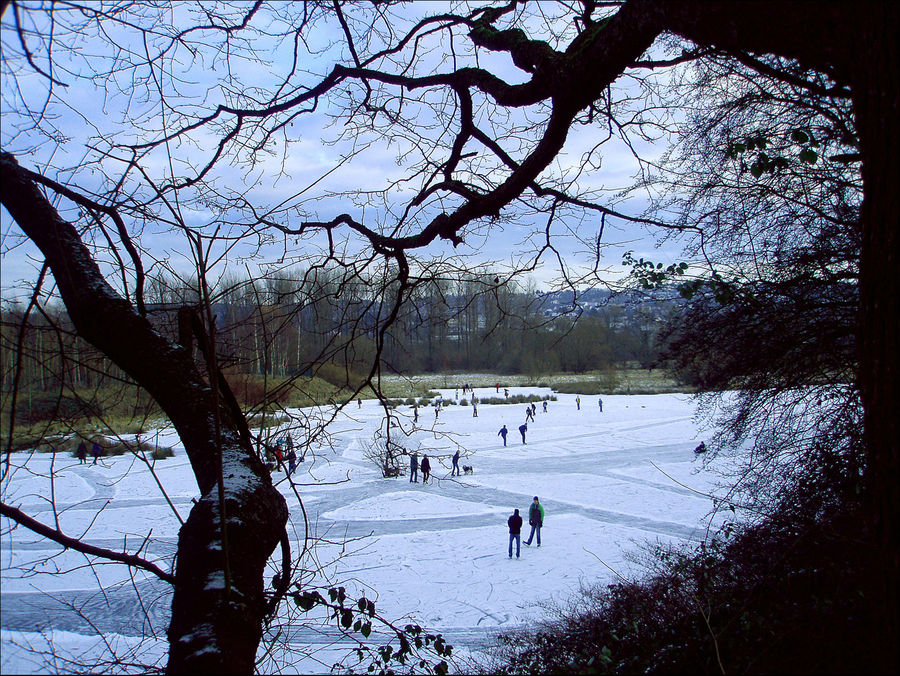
(433, 554)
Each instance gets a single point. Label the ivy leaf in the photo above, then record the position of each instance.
(809, 156)
(799, 136)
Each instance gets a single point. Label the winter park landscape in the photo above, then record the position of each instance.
(434, 554)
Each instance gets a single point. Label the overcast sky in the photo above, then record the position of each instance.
(85, 110)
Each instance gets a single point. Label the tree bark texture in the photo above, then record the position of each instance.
(215, 627)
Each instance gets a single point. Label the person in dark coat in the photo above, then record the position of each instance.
(502, 433)
(535, 520)
(415, 414)
(426, 468)
(529, 415)
(522, 430)
(292, 461)
(455, 470)
(515, 531)
(82, 452)
(600, 401)
(414, 467)
(96, 451)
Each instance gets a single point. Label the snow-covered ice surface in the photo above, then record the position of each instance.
(434, 554)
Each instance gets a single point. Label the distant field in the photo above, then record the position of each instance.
(623, 381)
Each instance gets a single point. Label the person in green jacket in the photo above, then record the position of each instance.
(535, 520)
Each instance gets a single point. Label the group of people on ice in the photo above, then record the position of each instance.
(282, 450)
(96, 452)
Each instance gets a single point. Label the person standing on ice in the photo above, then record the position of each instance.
(545, 407)
(414, 467)
(600, 401)
(96, 451)
(82, 453)
(415, 414)
(529, 414)
(578, 402)
(455, 470)
(515, 531)
(522, 429)
(502, 433)
(292, 460)
(426, 468)
(535, 520)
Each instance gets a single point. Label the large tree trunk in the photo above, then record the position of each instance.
(876, 102)
(216, 623)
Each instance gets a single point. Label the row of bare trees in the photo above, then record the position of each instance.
(281, 326)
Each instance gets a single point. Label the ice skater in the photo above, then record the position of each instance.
(502, 433)
(515, 532)
(535, 520)
(529, 414)
(426, 468)
(522, 429)
(414, 468)
(545, 407)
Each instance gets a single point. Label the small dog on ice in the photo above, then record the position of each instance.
(467, 469)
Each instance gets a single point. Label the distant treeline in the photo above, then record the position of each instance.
(316, 324)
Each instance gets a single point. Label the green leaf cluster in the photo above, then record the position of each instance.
(651, 275)
(762, 162)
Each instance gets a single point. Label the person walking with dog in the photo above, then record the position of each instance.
(455, 470)
(515, 531)
(426, 468)
(414, 467)
(535, 520)
(502, 433)
(522, 429)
